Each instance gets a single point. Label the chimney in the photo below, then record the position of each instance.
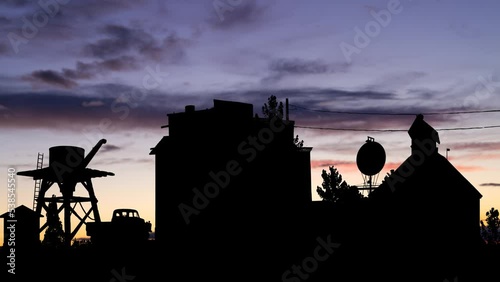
(286, 109)
(189, 109)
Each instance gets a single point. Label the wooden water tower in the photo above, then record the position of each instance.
(67, 167)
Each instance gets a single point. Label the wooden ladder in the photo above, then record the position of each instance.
(38, 182)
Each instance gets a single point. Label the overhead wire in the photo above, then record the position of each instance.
(395, 114)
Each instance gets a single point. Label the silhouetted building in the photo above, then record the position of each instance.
(230, 187)
(426, 212)
(21, 242)
(21, 228)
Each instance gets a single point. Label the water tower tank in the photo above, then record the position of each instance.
(69, 156)
(371, 157)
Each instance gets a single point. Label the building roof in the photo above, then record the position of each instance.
(226, 120)
(21, 210)
(425, 170)
(435, 175)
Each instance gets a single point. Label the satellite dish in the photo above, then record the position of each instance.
(371, 157)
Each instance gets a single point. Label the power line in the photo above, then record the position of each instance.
(396, 130)
(469, 128)
(350, 129)
(395, 114)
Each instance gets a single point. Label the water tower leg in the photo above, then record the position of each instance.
(370, 184)
(93, 199)
(67, 220)
(41, 201)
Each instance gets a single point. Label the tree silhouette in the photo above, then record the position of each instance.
(299, 143)
(54, 235)
(334, 189)
(272, 108)
(490, 232)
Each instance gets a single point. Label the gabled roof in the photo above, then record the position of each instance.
(21, 210)
(434, 175)
(425, 170)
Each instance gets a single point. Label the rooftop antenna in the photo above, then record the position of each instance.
(286, 108)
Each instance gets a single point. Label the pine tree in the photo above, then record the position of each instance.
(490, 231)
(272, 108)
(54, 235)
(335, 190)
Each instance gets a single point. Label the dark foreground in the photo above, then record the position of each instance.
(147, 263)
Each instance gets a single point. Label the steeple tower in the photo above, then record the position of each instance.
(424, 138)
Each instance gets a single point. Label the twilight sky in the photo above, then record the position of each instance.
(78, 71)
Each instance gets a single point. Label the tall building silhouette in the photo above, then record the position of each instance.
(230, 188)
